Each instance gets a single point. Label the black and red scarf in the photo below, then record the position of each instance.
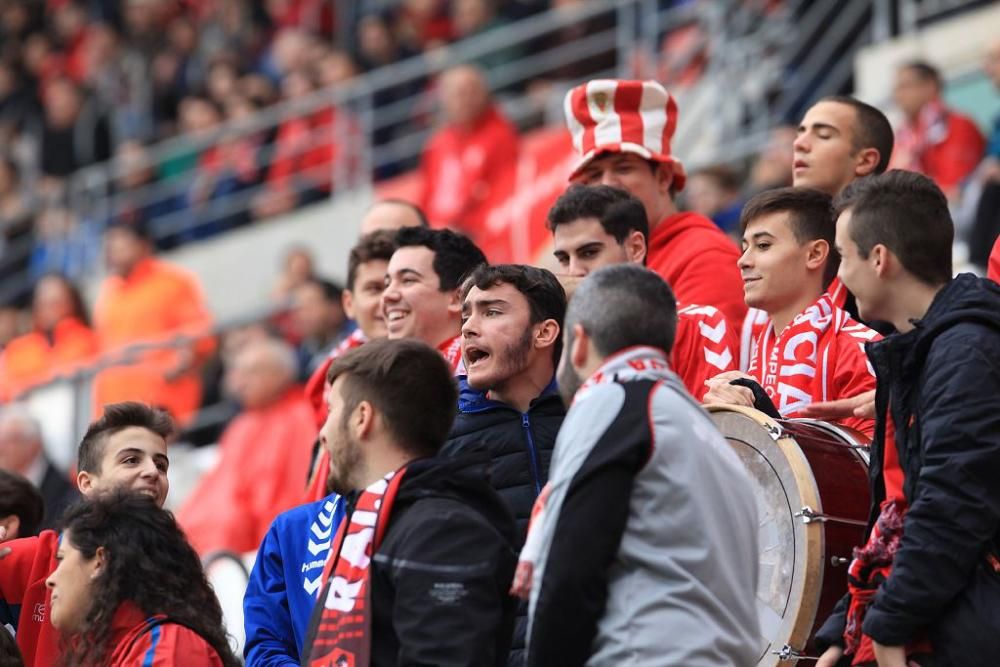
(340, 629)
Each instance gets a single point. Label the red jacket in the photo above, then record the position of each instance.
(24, 596)
(699, 262)
(153, 641)
(35, 358)
(993, 272)
(263, 467)
(463, 170)
(703, 347)
(941, 143)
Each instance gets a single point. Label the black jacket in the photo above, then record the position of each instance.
(940, 383)
(520, 446)
(440, 578)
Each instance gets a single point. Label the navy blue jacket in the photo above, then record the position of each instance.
(940, 383)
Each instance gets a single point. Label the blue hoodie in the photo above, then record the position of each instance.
(285, 580)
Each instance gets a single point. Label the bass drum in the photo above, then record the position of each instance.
(811, 484)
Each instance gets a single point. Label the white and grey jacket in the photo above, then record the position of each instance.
(647, 550)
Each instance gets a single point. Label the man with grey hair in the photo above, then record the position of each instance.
(265, 453)
(645, 538)
(21, 451)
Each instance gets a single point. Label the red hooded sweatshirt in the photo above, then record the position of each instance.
(699, 262)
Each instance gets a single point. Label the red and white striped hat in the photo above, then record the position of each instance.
(612, 116)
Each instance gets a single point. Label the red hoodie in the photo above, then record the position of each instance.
(993, 273)
(25, 600)
(138, 640)
(699, 262)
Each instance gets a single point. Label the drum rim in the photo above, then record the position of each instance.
(814, 542)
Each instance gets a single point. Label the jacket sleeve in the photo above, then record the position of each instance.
(588, 533)
(831, 633)
(955, 511)
(853, 376)
(266, 617)
(450, 579)
(15, 577)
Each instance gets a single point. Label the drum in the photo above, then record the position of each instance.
(811, 485)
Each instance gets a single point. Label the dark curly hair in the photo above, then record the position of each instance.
(149, 563)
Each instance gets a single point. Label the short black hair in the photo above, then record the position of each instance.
(543, 291)
(378, 245)
(409, 383)
(622, 306)
(455, 255)
(924, 71)
(116, 417)
(908, 214)
(20, 498)
(331, 290)
(618, 211)
(810, 215)
(871, 129)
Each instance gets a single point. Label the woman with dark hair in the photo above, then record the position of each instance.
(60, 338)
(129, 589)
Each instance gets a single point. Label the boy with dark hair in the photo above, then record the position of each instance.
(930, 568)
(21, 507)
(429, 584)
(421, 298)
(809, 349)
(598, 225)
(126, 448)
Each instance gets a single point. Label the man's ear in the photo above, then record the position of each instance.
(664, 174)
(347, 303)
(866, 161)
(85, 482)
(12, 523)
(635, 247)
(547, 333)
(363, 419)
(580, 351)
(455, 302)
(817, 255)
(881, 259)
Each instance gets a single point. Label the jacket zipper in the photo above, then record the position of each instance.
(532, 452)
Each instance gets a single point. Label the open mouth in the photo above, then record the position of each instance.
(475, 355)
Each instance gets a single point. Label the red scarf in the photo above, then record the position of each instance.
(785, 365)
(340, 629)
(451, 350)
(914, 138)
(871, 566)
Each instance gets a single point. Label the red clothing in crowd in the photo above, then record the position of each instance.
(993, 272)
(155, 303)
(462, 169)
(140, 640)
(35, 357)
(304, 152)
(698, 261)
(22, 587)
(942, 143)
(704, 346)
(316, 387)
(265, 456)
(826, 367)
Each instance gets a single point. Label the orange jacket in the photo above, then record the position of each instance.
(35, 358)
(156, 302)
(699, 262)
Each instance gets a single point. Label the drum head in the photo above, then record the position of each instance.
(791, 552)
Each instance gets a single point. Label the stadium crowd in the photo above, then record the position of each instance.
(448, 461)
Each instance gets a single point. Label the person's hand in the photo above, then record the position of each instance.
(570, 283)
(862, 405)
(830, 657)
(891, 656)
(720, 391)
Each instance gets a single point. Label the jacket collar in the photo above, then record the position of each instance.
(471, 401)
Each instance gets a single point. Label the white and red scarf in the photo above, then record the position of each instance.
(786, 364)
(914, 138)
(451, 350)
(340, 629)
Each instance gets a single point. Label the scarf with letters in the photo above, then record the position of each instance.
(340, 629)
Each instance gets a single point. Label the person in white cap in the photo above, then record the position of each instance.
(622, 130)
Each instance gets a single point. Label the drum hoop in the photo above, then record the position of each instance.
(811, 584)
(856, 440)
